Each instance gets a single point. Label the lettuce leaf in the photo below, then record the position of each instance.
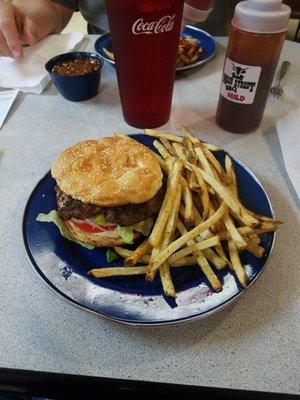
(52, 216)
(144, 227)
(126, 233)
(111, 255)
(100, 219)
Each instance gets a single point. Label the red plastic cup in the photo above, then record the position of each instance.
(145, 37)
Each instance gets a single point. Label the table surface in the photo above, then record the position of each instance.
(250, 345)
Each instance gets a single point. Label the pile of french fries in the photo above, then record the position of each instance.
(189, 52)
(201, 222)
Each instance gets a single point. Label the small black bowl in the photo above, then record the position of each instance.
(77, 87)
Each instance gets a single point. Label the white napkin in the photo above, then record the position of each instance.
(29, 75)
(288, 130)
(6, 101)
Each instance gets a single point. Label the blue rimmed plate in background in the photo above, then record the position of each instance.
(204, 39)
(63, 265)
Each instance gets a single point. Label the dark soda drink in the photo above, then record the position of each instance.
(145, 37)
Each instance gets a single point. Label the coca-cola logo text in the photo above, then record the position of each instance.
(164, 24)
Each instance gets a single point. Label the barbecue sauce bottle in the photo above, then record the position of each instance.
(258, 32)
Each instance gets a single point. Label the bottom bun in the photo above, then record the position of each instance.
(98, 240)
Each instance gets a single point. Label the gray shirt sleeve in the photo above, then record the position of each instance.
(73, 4)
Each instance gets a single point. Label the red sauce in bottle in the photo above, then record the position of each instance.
(249, 67)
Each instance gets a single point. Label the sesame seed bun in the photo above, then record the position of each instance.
(108, 172)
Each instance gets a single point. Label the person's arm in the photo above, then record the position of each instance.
(27, 22)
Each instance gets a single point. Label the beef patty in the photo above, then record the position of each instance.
(125, 215)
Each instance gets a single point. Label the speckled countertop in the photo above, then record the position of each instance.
(250, 345)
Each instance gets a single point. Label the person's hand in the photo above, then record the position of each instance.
(16, 29)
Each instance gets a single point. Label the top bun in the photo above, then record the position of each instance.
(108, 172)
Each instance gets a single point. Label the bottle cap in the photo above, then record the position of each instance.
(194, 14)
(261, 16)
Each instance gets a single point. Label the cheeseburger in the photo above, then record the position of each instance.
(108, 190)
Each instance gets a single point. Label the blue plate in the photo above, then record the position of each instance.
(63, 265)
(204, 39)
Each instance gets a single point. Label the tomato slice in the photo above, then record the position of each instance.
(91, 228)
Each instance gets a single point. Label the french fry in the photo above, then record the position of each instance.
(255, 238)
(116, 271)
(164, 271)
(187, 133)
(179, 150)
(254, 248)
(233, 232)
(232, 202)
(186, 261)
(236, 263)
(195, 141)
(263, 227)
(217, 226)
(158, 261)
(198, 151)
(204, 191)
(188, 204)
(213, 258)
(202, 262)
(219, 249)
(171, 223)
(211, 147)
(168, 146)
(166, 280)
(125, 253)
(202, 160)
(221, 253)
(204, 244)
(188, 145)
(139, 252)
(215, 164)
(192, 158)
(165, 135)
(163, 215)
(198, 207)
(105, 272)
(121, 251)
(185, 60)
(243, 231)
(161, 149)
(265, 220)
(231, 174)
(109, 53)
(192, 181)
(165, 276)
(208, 272)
